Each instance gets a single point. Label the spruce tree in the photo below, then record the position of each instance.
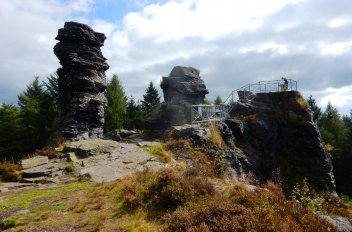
(217, 100)
(151, 98)
(115, 113)
(11, 132)
(37, 115)
(135, 117)
(315, 108)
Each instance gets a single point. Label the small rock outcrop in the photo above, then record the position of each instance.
(182, 89)
(81, 80)
(107, 160)
(277, 133)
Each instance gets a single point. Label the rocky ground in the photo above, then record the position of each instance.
(101, 160)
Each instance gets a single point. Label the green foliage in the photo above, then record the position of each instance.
(8, 222)
(11, 132)
(28, 127)
(337, 133)
(304, 196)
(315, 108)
(151, 99)
(206, 102)
(69, 168)
(217, 100)
(115, 113)
(135, 115)
(346, 199)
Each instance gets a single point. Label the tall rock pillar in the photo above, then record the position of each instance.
(81, 80)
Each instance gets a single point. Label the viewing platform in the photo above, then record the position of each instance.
(207, 113)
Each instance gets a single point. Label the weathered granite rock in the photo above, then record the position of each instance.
(106, 160)
(341, 224)
(34, 161)
(81, 80)
(277, 133)
(182, 89)
(40, 168)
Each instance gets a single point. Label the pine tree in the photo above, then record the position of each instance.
(115, 113)
(151, 99)
(315, 108)
(217, 100)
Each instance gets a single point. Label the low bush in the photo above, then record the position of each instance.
(162, 191)
(304, 195)
(214, 215)
(241, 210)
(9, 172)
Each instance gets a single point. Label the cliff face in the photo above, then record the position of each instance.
(280, 141)
(81, 80)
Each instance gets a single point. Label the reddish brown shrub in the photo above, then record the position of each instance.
(216, 215)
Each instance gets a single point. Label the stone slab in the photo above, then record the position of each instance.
(34, 161)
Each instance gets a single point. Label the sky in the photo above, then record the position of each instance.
(231, 42)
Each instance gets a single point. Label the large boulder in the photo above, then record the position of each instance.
(81, 80)
(182, 89)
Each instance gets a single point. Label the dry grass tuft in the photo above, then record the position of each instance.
(10, 172)
(216, 137)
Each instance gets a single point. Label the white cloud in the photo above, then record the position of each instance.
(337, 22)
(339, 97)
(207, 18)
(336, 48)
(232, 42)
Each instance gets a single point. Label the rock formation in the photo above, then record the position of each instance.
(81, 80)
(277, 133)
(271, 137)
(182, 89)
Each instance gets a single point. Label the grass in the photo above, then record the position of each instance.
(167, 200)
(160, 152)
(26, 199)
(216, 137)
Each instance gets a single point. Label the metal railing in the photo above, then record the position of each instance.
(203, 113)
(250, 90)
(206, 113)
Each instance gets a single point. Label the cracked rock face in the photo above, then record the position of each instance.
(182, 89)
(81, 80)
(184, 86)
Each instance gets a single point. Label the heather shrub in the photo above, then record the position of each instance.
(214, 215)
(162, 191)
